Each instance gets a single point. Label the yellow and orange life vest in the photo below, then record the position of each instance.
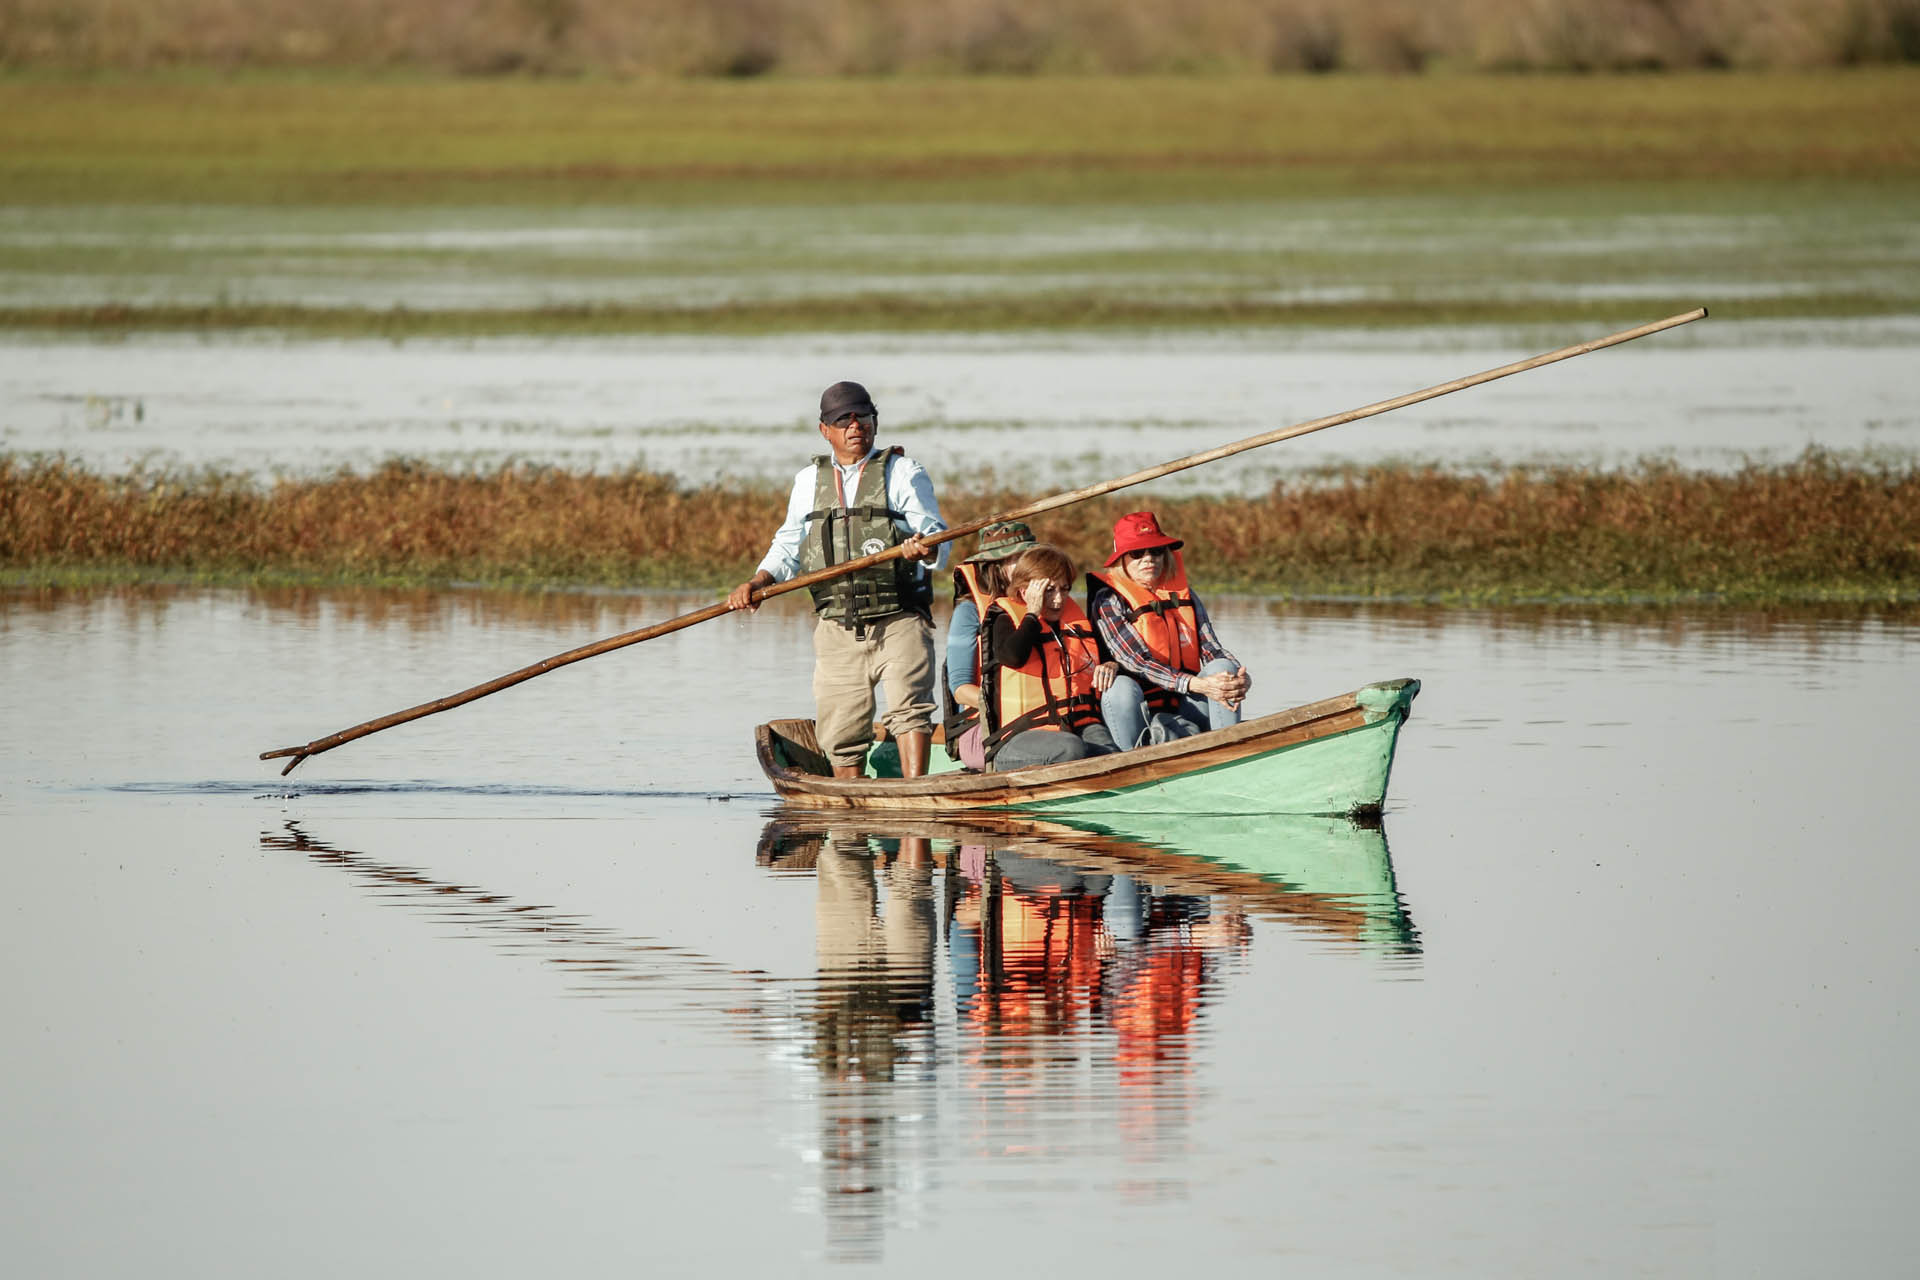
(1054, 689)
(966, 578)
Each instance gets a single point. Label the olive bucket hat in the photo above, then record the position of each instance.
(1001, 539)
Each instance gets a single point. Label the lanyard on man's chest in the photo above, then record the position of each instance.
(840, 483)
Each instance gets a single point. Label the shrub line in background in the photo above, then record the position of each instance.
(1817, 528)
(879, 37)
(861, 313)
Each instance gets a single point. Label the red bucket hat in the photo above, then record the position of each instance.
(1137, 531)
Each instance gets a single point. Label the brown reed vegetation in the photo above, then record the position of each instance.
(1818, 528)
(879, 37)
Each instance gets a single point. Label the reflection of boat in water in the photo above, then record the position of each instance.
(1326, 875)
(1037, 969)
(980, 987)
(1328, 757)
(981, 999)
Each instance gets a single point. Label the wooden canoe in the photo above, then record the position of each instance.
(1328, 757)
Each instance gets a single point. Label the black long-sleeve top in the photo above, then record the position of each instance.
(1011, 646)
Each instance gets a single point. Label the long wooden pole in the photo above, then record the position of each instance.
(1054, 503)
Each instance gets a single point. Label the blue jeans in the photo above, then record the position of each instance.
(1124, 707)
(1051, 746)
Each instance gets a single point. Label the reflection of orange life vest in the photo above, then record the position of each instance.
(1164, 617)
(1054, 690)
(959, 719)
(1155, 1010)
(1044, 976)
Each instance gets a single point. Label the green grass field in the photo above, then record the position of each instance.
(335, 205)
(292, 139)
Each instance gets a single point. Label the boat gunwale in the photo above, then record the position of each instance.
(1138, 767)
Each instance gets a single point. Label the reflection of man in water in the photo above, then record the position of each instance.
(876, 967)
(875, 996)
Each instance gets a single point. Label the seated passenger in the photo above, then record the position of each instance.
(1176, 677)
(977, 581)
(1044, 670)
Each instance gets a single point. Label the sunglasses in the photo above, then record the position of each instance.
(846, 420)
(1144, 552)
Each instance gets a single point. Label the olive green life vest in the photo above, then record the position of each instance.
(837, 534)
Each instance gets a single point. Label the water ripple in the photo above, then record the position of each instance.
(416, 786)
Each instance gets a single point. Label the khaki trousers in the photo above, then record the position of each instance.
(897, 654)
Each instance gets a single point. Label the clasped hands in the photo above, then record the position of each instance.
(1229, 688)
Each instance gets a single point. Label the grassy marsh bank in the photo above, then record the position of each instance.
(320, 140)
(1813, 530)
(336, 206)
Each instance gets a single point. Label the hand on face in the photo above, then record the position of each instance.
(1034, 596)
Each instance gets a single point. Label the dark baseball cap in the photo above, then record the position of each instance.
(842, 398)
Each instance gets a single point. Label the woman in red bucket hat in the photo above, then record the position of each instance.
(1176, 677)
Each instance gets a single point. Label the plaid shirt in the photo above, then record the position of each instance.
(1131, 652)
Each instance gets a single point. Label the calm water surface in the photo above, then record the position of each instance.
(1070, 409)
(1626, 985)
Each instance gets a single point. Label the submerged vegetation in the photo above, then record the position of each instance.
(1815, 529)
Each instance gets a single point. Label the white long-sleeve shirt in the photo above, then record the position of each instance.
(909, 491)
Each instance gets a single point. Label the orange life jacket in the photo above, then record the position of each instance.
(1164, 617)
(966, 578)
(1054, 690)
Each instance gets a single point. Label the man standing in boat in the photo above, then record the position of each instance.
(874, 626)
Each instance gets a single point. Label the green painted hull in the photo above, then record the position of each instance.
(1331, 775)
(1329, 757)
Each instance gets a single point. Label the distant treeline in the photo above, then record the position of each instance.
(877, 37)
(1817, 528)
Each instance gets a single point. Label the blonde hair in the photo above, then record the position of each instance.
(1043, 561)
